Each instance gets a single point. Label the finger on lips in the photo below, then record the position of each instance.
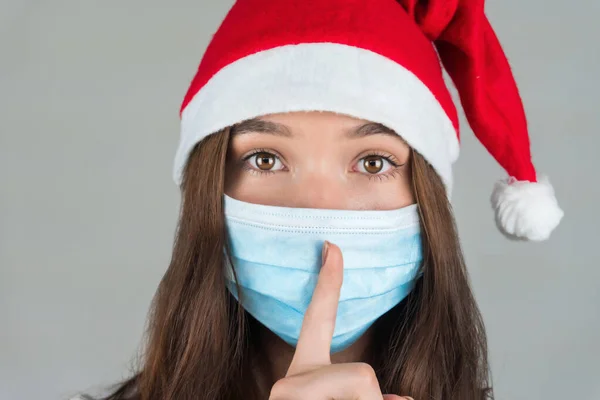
(311, 374)
(314, 344)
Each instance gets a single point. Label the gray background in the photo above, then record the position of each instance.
(89, 99)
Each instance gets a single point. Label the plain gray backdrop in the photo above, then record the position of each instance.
(89, 100)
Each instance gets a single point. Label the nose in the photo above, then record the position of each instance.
(319, 190)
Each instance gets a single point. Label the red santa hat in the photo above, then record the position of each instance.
(378, 60)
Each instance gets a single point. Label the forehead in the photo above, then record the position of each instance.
(319, 118)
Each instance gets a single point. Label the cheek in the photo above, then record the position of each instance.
(237, 182)
(403, 192)
(399, 194)
(245, 186)
(388, 194)
(384, 196)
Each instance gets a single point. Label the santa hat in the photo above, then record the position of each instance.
(378, 60)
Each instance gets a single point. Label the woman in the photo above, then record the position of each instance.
(328, 123)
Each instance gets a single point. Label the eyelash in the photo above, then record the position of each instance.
(392, 173)
(254, 152)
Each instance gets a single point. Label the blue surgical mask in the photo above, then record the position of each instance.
(276, 253)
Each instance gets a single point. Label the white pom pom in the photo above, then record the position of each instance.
(526, 210)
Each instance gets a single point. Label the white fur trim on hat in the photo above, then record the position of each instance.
(326, 77)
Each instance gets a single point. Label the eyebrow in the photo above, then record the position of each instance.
(370, 128)
(255, 125)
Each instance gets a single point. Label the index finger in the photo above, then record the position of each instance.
(314, 344)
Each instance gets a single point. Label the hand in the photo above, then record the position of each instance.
(311, 374)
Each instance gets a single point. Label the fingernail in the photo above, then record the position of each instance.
(324, 252)
(408, 398)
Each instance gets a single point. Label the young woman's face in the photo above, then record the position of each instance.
(318, 160)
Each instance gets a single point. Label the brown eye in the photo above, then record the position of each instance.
(373, 164)
(265, 161)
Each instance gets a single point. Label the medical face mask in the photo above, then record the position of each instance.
(276, 253)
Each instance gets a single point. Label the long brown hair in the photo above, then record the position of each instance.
(202, 344)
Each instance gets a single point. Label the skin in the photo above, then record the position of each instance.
(328, 161)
